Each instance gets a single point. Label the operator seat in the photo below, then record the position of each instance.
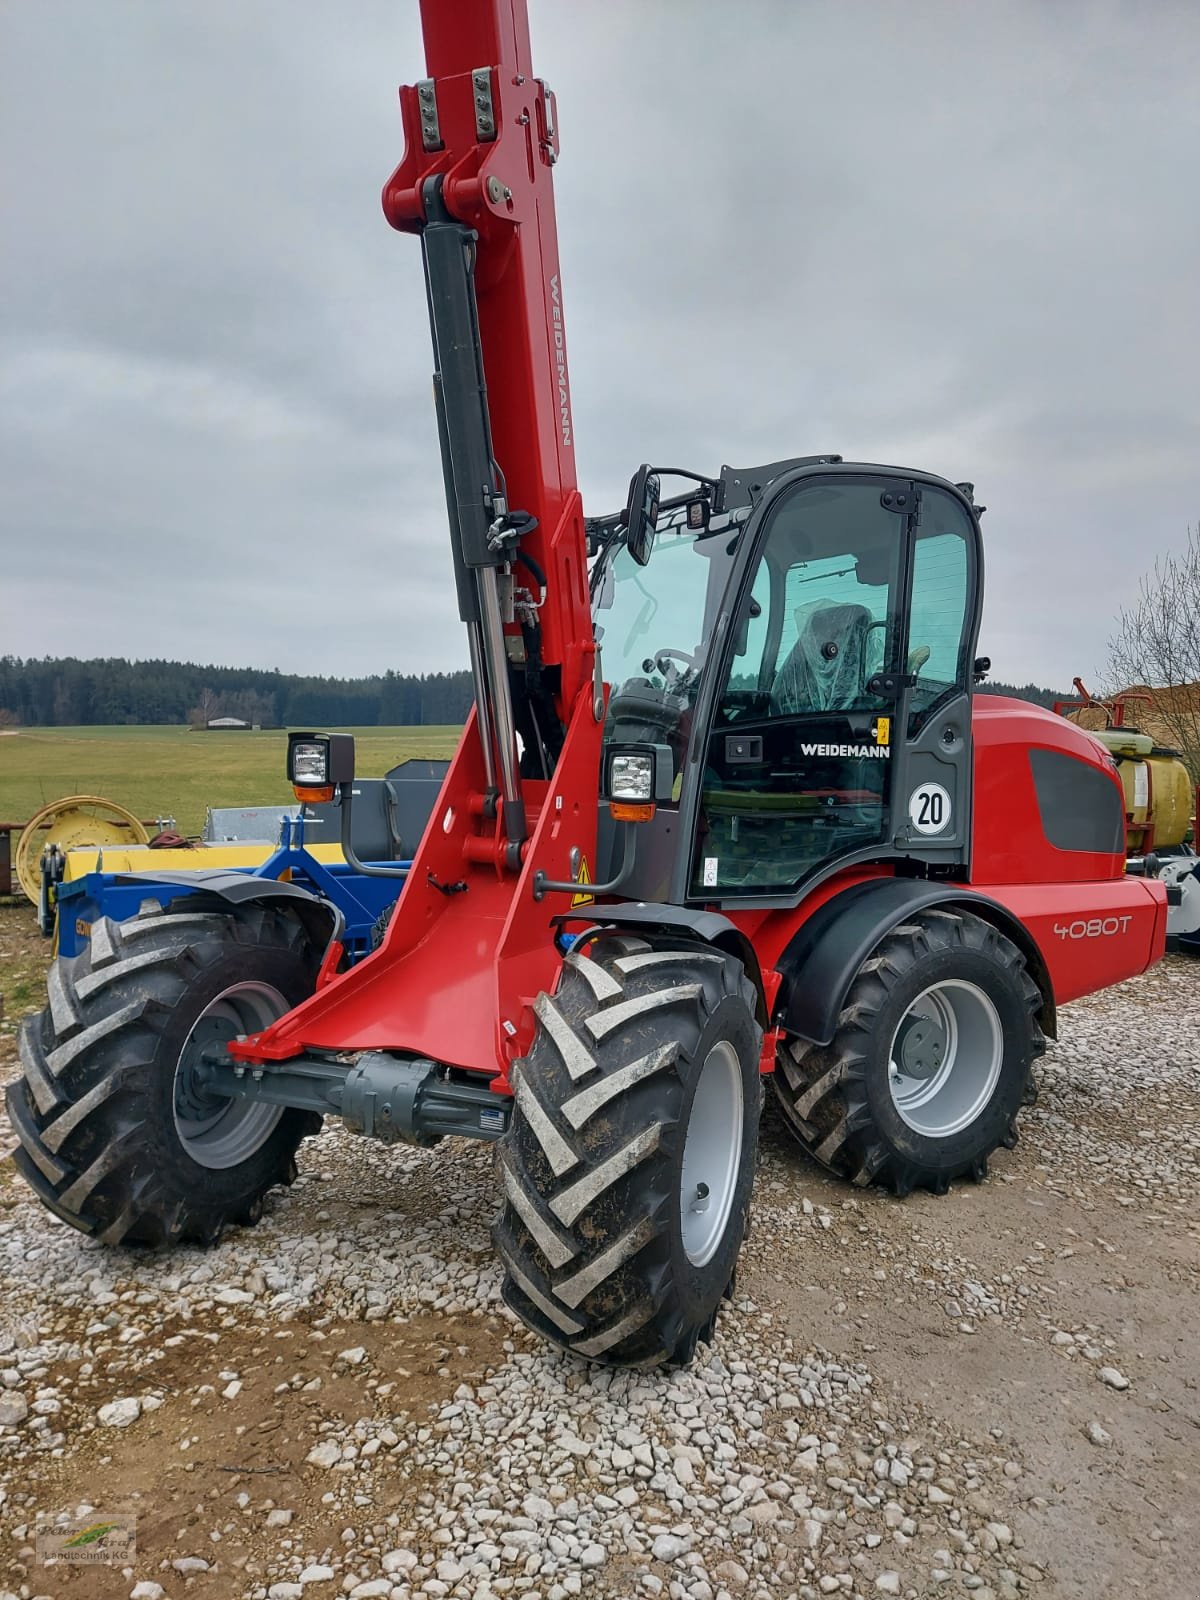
(824, 668)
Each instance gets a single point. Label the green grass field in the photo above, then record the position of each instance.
(170, 771)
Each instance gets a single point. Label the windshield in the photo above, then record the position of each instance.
(655, 624)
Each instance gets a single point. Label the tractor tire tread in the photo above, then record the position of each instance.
(820, 1089)
(596, 1097)
(82, 1111)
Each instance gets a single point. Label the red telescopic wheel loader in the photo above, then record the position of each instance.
(726, 810)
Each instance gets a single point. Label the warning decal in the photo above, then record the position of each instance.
(1141, 785)
(584, 877)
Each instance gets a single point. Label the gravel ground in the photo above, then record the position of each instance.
(993, 1394)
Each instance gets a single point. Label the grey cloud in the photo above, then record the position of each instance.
(961, 237)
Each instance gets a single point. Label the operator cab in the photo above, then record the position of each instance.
(805, 657)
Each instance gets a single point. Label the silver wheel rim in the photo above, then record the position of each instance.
(217, 1132)
(945, 1058)
(712, 1152)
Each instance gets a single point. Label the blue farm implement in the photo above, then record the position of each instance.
(358, 899)
(317, 857)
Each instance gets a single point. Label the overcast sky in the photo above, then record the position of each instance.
(959, 236)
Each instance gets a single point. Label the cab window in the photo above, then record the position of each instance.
(937, 642)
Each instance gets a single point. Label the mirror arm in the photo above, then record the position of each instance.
(542, 885)
(345, 792)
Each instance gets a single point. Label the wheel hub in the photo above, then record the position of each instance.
(712, 1153)
(945, 1058)
(215, 1131)
(920, 1046)
(194, 1100)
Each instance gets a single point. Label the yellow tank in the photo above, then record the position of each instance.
(1158, 791)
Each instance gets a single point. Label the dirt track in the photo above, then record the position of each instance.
(898, 1403)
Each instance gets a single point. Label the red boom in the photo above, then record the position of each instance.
(458, 972)
(501, 185)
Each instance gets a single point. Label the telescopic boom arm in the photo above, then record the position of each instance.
(471, 944)
(476, 184)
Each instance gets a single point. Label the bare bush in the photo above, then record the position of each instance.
(1157, 648)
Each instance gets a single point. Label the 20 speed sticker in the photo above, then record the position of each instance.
(929, 808)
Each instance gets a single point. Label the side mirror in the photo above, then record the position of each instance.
(641, 513)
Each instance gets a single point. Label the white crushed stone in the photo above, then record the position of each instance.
(120, 1413)
(767, 1470)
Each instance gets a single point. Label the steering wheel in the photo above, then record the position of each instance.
(664, 661)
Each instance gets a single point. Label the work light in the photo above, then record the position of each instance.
(631, 776)
(310, 763)
(635, 778)
(318, 762)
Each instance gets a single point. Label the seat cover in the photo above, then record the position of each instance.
(824, 667)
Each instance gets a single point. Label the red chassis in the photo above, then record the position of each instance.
(458, 986)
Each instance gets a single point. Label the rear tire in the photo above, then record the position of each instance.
(931, 1061)
(628, 1165)
(105, 1141)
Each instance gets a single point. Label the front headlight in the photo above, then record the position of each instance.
(631, 777)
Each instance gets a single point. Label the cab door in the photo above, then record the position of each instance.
(933, 800)
(840, 724)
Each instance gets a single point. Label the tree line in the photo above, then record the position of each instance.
(1027, 691)
(65, 691)
(1158, 642)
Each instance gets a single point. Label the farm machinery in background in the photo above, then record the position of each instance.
(1162, 805)
(747, 824)
(94, 860)
(78, 821)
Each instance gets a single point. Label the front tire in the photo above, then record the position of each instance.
(931, 1062)
(114, 1138)
(628, 1165)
